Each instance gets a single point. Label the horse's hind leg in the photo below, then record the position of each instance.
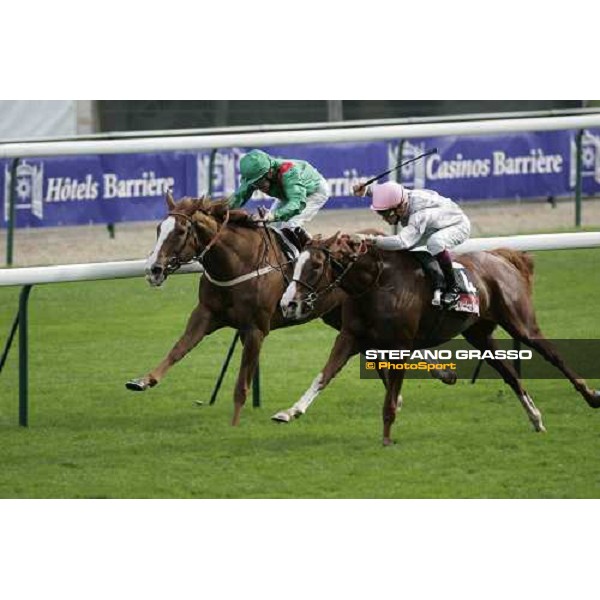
(446, 376)
(383, 376)
(200, 324)
(252, 340)
(480, 336)
(521, 324)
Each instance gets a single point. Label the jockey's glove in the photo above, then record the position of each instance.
(361, 190)
(357, 238)
(267, 217)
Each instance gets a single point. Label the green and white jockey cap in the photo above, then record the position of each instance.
(254, 165)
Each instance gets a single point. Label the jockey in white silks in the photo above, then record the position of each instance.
(427, 219)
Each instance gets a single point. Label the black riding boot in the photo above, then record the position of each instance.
(452, 294)
(297, 236)
(303, 236)
(433, 270)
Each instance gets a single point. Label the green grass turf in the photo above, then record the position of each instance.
(91, 438)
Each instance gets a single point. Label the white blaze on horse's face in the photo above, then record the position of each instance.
(155, 274)
(291, 303)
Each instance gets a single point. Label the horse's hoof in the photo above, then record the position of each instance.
(594, 399)
(449, 378)
(388, 442)
(137, 385)
(281, 417)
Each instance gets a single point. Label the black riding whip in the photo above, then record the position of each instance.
(399, 166)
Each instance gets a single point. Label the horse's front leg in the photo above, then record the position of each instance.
(345, 346)
(200, 324)
(252, 340)
(392, 402)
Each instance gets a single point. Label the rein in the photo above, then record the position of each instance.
(267, 236)
(213, 241)
(174, 263)
(315, 294)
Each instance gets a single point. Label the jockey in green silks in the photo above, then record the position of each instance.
(300, 190)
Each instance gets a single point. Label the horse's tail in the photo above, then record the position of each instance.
(521, 260)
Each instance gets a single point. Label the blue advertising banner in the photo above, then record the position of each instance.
(115, 188)
(517, 166)
(96, 189)
(513, 166)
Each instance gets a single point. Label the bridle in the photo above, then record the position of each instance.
(174, 262)
(340, 271)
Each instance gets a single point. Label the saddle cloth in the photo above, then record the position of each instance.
(468, 300)
(468, 294)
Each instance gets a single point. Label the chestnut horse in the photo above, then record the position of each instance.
(389, 307)
(244, 278)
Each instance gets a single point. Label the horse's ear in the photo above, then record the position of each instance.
(170, 200)
(198, 204)
(333, 239)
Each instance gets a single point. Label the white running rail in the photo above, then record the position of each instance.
(135, 268)
(274, 138)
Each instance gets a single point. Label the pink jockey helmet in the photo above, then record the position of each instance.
(388, 195)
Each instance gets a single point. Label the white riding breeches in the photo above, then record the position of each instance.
(448, 237)
(314, 203)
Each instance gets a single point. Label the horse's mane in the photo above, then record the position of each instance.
(215, 208)
(341, 240)
(219, 209)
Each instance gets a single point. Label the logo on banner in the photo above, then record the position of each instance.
(590, 158)
(225, 173)
(412, 175)
(28, 189)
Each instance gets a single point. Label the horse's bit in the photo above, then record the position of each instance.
(174, 263)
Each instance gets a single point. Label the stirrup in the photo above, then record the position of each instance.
(450, 298)
(437, 298)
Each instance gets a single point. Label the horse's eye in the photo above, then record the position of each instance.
(180, 229)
